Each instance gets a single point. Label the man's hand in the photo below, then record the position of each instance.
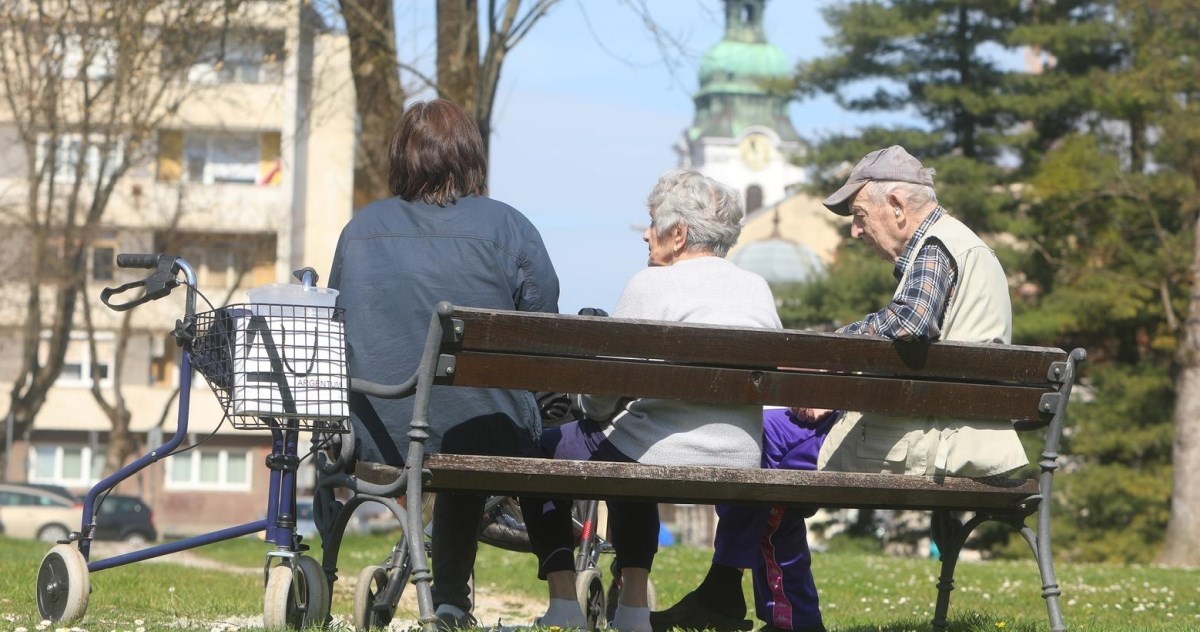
(811, 416)
(555, 407)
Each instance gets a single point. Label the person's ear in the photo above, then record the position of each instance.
(897, 203)
(679, 237)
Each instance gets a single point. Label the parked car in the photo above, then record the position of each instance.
(126, 518)
(306, 526)
(57, 489)
(29, 511)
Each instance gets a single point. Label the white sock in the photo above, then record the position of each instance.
(631, 619)
(564, 613)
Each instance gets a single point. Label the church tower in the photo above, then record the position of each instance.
(741, 134)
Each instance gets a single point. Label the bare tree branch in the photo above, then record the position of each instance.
(87, 85)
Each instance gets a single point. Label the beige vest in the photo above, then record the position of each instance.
(979, 311)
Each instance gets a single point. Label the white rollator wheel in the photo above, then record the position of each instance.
(63, 585)
(297, 595)
(372, 582)
(589, 590)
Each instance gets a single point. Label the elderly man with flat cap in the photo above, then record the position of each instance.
(950, 286)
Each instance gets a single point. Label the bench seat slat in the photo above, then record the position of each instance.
(712, 384)
(708, 485)
(583, 336)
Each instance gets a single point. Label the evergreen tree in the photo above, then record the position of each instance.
(1112, 218)
(1091, 168)
(935, 58)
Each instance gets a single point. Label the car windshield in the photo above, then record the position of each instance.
(119, 504)
(19, 498)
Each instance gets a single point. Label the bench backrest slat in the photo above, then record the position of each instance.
(581, 336)
(746, 386)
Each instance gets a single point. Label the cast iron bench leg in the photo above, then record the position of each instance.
(950, 534)
(1040, 543)
(946, 529)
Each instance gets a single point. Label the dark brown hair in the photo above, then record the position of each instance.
(436, 154)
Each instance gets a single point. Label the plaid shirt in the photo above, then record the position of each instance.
(916, 312)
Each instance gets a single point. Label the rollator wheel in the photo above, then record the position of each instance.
(368, 615)
(312, 569)
(63, 586)
(296, 597)
(589, 590)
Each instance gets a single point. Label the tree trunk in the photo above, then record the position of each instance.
(379, 97)
(120, 441)
(1182, 545)
(32, 386)
(458, 53)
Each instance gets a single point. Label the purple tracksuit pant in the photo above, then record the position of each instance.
(772, 541)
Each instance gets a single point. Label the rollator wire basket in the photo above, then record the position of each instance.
(276, 366)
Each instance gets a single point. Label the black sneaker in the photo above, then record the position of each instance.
(691, 614)
(447, 622)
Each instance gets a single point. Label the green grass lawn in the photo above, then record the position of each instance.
(860, 592)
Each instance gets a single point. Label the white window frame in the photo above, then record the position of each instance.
(211, 170)
(248, 58)
(100, 66)
(191, 460)
(67, 156)
(80, 338)
(67, 53)
(87, 456)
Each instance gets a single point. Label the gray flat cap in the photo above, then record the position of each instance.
(892, 164)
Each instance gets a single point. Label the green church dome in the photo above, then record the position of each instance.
(731, 62)
(744, 79)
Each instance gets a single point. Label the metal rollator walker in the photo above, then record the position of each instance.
(279, 368)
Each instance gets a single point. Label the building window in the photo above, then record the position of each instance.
(77, 362)
(99, 260)
(204, 157)
(223, 260)
(240, 57)
(213, 158)
(73, 156)
(71, 466)
(227, 470)
(754, 198)
(103, 262)
(86, 55)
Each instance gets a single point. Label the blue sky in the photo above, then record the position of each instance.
(581, 134)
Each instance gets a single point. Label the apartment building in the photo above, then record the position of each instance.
(248, 176)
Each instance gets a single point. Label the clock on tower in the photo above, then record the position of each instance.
(755, 150)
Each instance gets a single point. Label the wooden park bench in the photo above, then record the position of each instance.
(581, 354)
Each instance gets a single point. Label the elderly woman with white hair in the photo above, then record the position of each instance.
(694, 220)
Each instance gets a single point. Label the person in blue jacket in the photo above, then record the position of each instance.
(439, 238)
